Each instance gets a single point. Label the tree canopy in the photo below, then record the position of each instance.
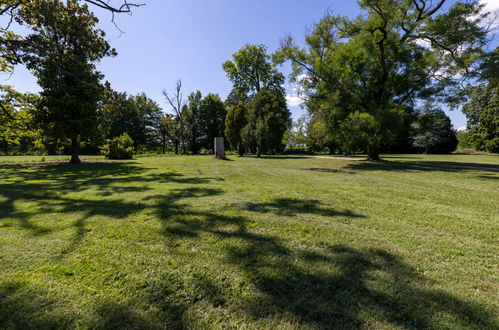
(364, 73)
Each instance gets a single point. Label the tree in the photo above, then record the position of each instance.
(482, 108)
(66, 48)
(192, 115)
(212, 119)
(13, 48)
(16, 112)
(168, 132)
(235, 97)
(268, 119)
(235, 121)
(370, 70)
(252, 69)
(138, 116)
(433, 133)
(297, 136)
(176, 103)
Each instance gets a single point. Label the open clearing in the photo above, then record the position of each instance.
(277, 242)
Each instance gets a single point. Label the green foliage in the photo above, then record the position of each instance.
(382, 62)
(252, 69)
(268, 119)
(120, 147)
(212, 119)
(16, 117)
(138, 116)
(482, 109)
(235, 121)
(192, 119)
(433, 133)
(63, 49)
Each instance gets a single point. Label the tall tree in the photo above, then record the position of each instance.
(252, 69)
(194, 127)
(13, 47)
(268, 119)
(176, 102)
(369, 70)
(63, 50)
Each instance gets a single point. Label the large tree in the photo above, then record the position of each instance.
(13, 47)
(268, 118)
(62, 52)
(370, 70)
(251, 69)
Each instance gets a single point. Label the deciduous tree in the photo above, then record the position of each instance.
(381, 63)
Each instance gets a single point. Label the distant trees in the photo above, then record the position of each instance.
(482, 109)
(433, 133)
(258, 95)
(138, 116)
(194, 124)
(235, 121)
(16, 116)
(362, 75)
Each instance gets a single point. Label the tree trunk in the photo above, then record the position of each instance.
(75, 159)
(176, 148)
(5, 147)
(240, 150)
(373, 154)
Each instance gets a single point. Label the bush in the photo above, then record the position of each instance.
(120, 147)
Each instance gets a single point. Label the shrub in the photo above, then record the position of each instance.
(120, 147)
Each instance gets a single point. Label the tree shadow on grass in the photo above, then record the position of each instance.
(334, 287)
(294, 206)
(52, 190)
(421, 166)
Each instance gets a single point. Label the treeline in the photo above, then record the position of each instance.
(371, 84)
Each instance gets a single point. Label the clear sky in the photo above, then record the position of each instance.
(167, 40)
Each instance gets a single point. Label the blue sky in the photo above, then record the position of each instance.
(167, 40)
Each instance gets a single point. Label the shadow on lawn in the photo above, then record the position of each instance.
(327, 286)
(337, 287)
(422, 166)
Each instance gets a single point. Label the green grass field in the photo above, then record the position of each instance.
(279, 242)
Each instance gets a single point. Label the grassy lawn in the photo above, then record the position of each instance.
(277, 242)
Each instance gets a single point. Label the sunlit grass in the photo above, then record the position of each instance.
(277, 242)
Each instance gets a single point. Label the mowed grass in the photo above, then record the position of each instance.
(278, 242)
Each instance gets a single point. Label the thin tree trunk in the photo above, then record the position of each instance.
(75, 159)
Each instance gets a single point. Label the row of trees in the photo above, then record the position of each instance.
(369, 84)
